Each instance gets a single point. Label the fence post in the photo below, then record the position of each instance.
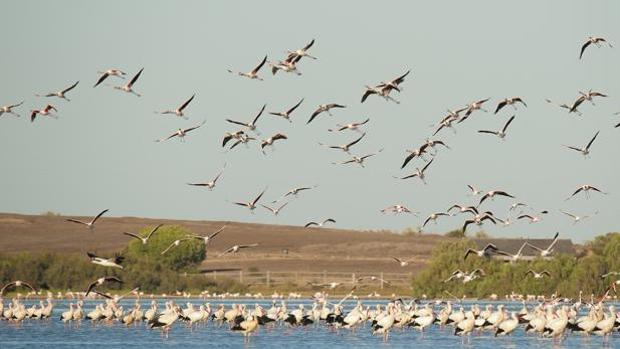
(297, 277)
(381, 280)
(268, 279)
(324, 276)
(353, 278)
(241, 276)
(215, 275)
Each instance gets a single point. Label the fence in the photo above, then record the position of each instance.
(270, 278)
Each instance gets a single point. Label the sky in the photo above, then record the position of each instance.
(100, 152)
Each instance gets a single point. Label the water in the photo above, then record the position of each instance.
(53, 333)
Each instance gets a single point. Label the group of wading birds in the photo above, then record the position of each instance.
(550, 318)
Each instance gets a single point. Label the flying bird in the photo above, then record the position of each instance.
(502, 133)
(585, 96)
(181, 133)
(175, 243)
(358, 159)
(179, 111)
(345, 147)
(100, 282)
(420, 173)
(269, 141)
(479, 219)
(586, 188)
(252, 204)
(61, 93)
(207, 239)
(254, 73)
(593, 40)
(403, 262)
(585, 151)
(236, 248)
(8, 109)
(576, 219)
(211, 184)
(353, 126)
(144, 239)
(474, 191)
(509, 101)
(114, 262)
(538, 275)
(129, 86)
(396, 209)
(17, 283)
(491, 194)
(320, 224)
(418, 152)
(47, 111)
(473, 106)
(110, 72)
(252, 124)
(532, 219)
(302, 52)
(324, 108)
(287, 114)
(275, 211)
(433, 217)
(484, 253)
(547, 251)
(295, 192)
(91, 224)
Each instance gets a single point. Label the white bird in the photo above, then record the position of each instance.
(586, 188)
(302, 52)
(433, 217)
(514, 257)
(253, 74)
(129, 86)
(270, 141)
(473, 106)
(246, 327)
(324, 108)
(585, 96)
(485, 252)
(101, 281)
(275, 211)
(502, 133)
(358, 159)
(91, 224)
(396, 209)
(345, 147)
(47, 111)
(287, 114)
(252, 204)
(593, 40)
(252, 124)
(295, 192)
(547, 251)
(106, 262)
(491, 194)
(353, 126)
(508, 326)
(533, 219)
(384, 88)
(207, 239)
(181, 133)
(420, 173)
(585, 151)
(17, 283)
(110, 72)
(403, 262)
(236, 248)
(537, 275)
(474, 191)
(61, 93)
(576, 219)
(8, 109)
(210, 184)
(179, 111)
(175, 243)
(143, 239)
(509, 101)
(320, 224)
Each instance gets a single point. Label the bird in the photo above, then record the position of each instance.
(252, 204)
(516, 205)
(533, 219)
(17, 283)
(320, 224)
(345, 147)
(418, 152)
(485, 252)
(252, 124)
(514, 257)
(91, 224)
(585, 151)
(473, 106)
(324, 108)
(359, 159)
(269, 141)
(210, 184)
(246, 327)
(288, 66)
(509, 101)
(144, 240)
(8, 109)
(253, 74)
(236, 248)
(433, 217)
(491, 194)
(589, 96)
(275, 211)
(384, 88)
(420, 173)
(354, 126)
(207, 239)
(110, 72)
(379, 91)
(179, 111)
(181, 133)
(100, 282)
(287, 114)
(302, 52)
(47, 111)
(114, 262)
(396, 209)
(611, 273)
(294, 192)
(538, 275)
(372, 278)
(61, 93)
(547, 251)
(592, 40)
(567, 107)
(175, 243)
(474, 191)
(501, 134)
(232, 135)
(586, 188)
(128, 87)
(402, 262)
(478, 219)
(576, 219)
(464, 209)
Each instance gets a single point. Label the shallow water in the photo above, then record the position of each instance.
(53, 333)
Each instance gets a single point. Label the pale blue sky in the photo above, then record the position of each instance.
(100, 152)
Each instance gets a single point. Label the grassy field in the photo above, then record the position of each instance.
(281, 248)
